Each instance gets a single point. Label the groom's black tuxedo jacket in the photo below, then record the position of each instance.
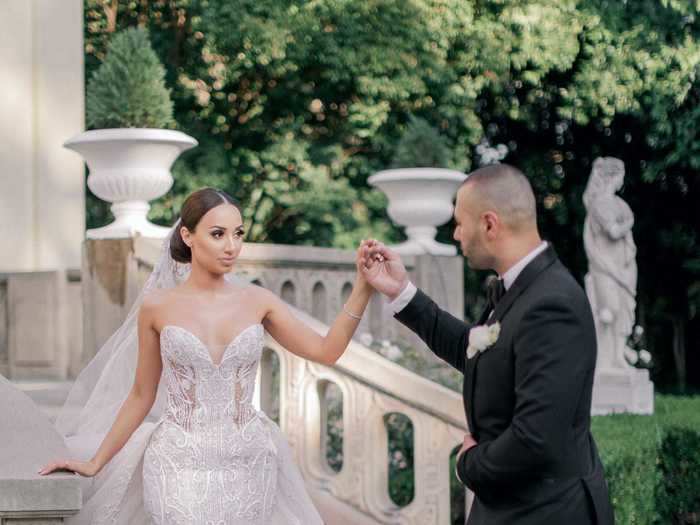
(527, 400)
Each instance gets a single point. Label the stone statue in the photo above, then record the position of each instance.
(611, 282)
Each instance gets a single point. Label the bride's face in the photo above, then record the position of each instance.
(217, 239)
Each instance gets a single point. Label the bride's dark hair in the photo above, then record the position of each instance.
(193, 209)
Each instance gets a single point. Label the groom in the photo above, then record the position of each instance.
(530, 458)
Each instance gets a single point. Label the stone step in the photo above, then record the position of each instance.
(335, 512)
(29, 441)
(49, 395)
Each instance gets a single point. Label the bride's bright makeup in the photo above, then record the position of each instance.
(217, 239)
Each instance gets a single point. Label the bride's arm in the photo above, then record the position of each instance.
(301, 340)
(136, 406)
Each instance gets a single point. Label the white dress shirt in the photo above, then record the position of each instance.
(509, 278)
(512, 274)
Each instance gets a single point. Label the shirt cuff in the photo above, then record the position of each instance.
(457, 471)
(404, 298)
(461, 461)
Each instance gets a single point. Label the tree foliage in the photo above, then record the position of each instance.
(128, 89)
(421, 146)
(296, 103)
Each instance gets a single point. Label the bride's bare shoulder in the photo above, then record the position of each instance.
(156, 299)
(264, 300)
(258, 293)
(156, 296)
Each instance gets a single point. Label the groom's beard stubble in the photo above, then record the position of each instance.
(475, 256)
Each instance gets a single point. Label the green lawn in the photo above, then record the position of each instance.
(652, 463)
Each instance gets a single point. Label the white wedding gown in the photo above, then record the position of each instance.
(212, 458)
(203, 455)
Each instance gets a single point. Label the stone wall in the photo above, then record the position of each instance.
(40, 324)
(42, 202)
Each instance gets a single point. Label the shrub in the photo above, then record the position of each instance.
(128, 90)
(652, 463)
(421, 146)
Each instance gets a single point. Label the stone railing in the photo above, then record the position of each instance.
(372, 387)
(28, 441)
(78, 310)
(316, 280)
(319, 280)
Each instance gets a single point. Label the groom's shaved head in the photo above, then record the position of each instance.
(505, 190)
(495, 218)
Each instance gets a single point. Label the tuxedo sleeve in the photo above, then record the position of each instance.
(551, 366)
(444, 334)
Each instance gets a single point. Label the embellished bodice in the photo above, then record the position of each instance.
(199, 391)
(213, 457)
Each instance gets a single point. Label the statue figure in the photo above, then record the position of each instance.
(611, 282)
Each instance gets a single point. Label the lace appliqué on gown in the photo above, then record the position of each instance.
(213, 459)
(203, 454)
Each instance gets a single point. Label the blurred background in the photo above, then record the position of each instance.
(295, 104)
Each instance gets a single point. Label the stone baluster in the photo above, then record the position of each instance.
(359, 493)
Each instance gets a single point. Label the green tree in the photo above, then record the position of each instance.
(128, 89)
(421, 146)
(296, 103)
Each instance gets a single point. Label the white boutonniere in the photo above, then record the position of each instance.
(482, 337)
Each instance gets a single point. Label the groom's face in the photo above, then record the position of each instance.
(469, 230)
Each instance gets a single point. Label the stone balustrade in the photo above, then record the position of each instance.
(78, 310)
(317, 281)
(372, 387)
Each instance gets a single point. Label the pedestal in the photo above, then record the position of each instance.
(623, 390)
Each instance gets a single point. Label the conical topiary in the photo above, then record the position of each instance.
(128, 89)
(421, 146)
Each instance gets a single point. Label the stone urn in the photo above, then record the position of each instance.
(130, 167)
(420, 199)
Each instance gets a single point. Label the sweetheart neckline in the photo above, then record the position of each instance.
(205, 347)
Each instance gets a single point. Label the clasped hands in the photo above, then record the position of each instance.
(383, 269)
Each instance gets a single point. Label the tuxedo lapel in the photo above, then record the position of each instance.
(523, 281)
(484, 315)
(468, 392)
(470, 368)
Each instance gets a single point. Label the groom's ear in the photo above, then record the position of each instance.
(492, 224)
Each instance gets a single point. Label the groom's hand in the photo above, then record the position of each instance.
(468, 443)
(383, 269)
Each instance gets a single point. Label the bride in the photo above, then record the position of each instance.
(164, 410)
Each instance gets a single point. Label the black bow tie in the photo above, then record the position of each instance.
(495, 289)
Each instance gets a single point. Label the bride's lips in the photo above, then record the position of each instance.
(227, 260)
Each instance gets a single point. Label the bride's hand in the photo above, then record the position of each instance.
(84, 468)
(384, 269)
(362, 263)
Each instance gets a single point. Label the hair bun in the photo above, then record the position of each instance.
(179, 251)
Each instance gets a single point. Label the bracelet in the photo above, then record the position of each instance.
(356, 317)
